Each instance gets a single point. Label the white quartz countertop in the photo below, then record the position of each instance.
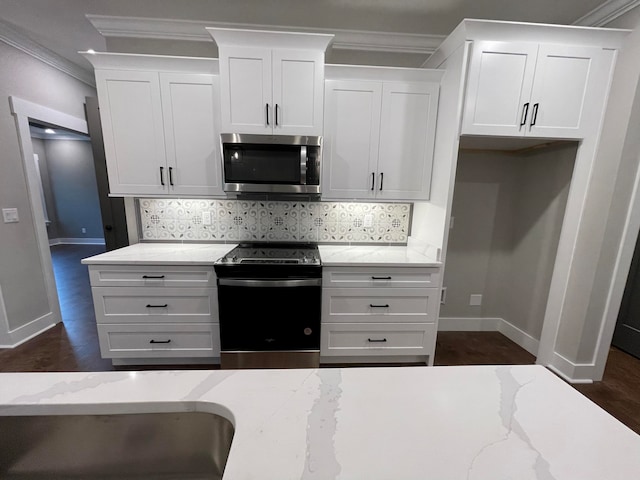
(366, 255)
(163, 254)
(441, 423)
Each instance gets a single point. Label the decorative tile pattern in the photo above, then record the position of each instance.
(274, 221)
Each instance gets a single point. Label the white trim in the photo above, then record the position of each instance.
(5, 338)
(76, 241)
(172, 29)
(571, 372)
(606, 13)
(23, 110)
(154, 63)
(482, 324)
(29, 330)
(12, 35)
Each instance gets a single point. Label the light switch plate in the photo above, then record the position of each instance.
(206, 218)
(368, 220)
(10, 215)
(475, 300)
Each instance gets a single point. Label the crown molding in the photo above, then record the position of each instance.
(17, 38)
(606, 13)
(195, 31)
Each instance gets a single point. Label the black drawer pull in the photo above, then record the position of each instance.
(380, 278)
(157, 306)
(153, 276)
(379, 306)
(160, 341)
(374, 340)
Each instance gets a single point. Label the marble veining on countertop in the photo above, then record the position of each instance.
(467, 423)
(372, 255)
(163, 254)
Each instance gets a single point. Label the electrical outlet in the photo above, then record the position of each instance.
(443, 295)
(475, 300)
(10, 215)
(84, 230)
(206, 217)
(368, 220)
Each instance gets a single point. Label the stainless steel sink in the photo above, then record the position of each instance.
(187, 445)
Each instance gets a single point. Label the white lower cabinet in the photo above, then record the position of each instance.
(156, 314)
(379, 314)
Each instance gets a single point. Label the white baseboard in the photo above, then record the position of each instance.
(571, 372)
(28, 331)
(479, 324)
(76, 241)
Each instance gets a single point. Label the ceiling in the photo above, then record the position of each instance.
(62, 26)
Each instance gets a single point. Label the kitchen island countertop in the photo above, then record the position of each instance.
(163, 254)
(440, 423)
(374, 255)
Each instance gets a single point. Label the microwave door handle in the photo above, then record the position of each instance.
(303, 165)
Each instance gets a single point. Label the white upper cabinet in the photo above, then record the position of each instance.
(530, 89)
(379, 136)
(271, 82)
(160, 127)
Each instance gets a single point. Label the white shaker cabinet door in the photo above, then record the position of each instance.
(499, 86)
(245, 81)
(298, 85)
(131, 115)
(569, 82)
(190, 105)
(351, 136)
(407, 132)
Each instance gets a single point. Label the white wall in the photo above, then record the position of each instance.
(508, 209)
(21, 277)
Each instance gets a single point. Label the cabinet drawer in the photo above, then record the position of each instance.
(151, 276)
(364, 339)
(380, 277)
(414, 305)
(155, 304)
(159, 341)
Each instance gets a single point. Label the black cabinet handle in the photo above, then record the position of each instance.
(379, 306)
(535, 114)
(525, 112)
(162, 176)
(374, 340)
(153, 276)
(381, 180)
(171, 176)
(266, 107)
(276, 114)
(160, 341)
(373, 180)
(380, 278)
(157, 306)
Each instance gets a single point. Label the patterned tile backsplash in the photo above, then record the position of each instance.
(278, 221)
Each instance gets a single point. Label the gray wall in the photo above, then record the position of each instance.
(21, 277)
(75, 192)
(38, 148)
(508, 209)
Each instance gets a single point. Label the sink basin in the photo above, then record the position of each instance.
(186, 445)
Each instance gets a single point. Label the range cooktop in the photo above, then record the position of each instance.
(272, 254)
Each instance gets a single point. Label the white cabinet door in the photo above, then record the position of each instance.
(499, 86)
(351, 133)
(407, 133)
(245, 85)
(567, 78)
(190, 105)
(298, 84)
(131, 115)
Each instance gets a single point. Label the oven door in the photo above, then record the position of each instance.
(269, 315)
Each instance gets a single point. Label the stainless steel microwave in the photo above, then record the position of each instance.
(271, 163)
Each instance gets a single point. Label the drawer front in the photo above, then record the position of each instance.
(151, 276)
(378, 339)
(154, 305)
(409, 305)
(379, 277)
(159, 341)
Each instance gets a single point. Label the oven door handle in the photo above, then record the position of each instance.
(237, 282)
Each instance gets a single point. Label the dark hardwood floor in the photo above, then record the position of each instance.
(73, 345)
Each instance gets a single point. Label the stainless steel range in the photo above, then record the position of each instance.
(269, 299)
